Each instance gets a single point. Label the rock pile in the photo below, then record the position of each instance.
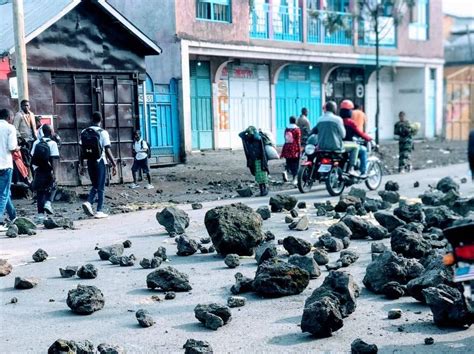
(213, 315)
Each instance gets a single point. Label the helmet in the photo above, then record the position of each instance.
(347, 104)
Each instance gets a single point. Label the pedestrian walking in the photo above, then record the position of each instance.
(304, 125)
(256, 157)
(8, 145)
(25, 124)
(141, 153)
(45, 160)
(291, 150)
(405, 143)
(359, 118)
(95, 148)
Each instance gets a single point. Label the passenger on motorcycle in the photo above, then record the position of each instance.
(330, 129)
(353, 131)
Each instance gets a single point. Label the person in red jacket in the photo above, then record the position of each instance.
(291, 150)
(353, 131)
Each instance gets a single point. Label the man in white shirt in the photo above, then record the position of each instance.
(96, 157)
(8, 144)
(140, 152)
(45, 160)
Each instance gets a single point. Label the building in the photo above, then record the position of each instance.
(459, 76)
(82, 56)
(238, 63)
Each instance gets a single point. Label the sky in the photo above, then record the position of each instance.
(459, 7)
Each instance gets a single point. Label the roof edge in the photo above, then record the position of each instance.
(130, 26)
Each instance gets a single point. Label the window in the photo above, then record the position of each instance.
(214, 10)
(419, 26)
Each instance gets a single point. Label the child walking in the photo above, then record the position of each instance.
(141, 152)
(291, 150)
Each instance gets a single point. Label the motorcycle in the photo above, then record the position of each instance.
(462, 257)
(332, 168)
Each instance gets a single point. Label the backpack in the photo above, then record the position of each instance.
(266, 138)
(42, 154)
(90, 144)
(148, 151)
(289, 137)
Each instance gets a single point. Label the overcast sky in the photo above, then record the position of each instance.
(459, 7)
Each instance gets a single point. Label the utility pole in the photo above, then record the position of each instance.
(377, 75)
(20, 50)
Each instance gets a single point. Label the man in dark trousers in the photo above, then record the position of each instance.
(95, 148)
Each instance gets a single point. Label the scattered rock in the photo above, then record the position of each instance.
(410, 213)
(348, 257)
(105, 348)
(40, 255)
(331, 244)
(392, 186)
(5, 267)
(346, 201)
(294, 213)
(440, 216)
(208, 249)
(25, 226)
(85, 299)
(13, 300)
(322, 317)
(275, 278)
(186, 246)
(170, 295)
(264, 212)
(236, 301)
(296, 245)
(25, 283)
(306, 263)
(115, 260)
(242, 284)
(161, 253)
(234, 228)
(280, 202)
(144, 318)
(289, 219)
(196, 206)
(447, 184)
(232, 260)
(378, 232)
(88, 271)
(193, 346)
(374, 204)
(416, 184)
(378, 247)
(301, 205)
(358, 346)
(358, 193)
(388, 220)
(269, 236)
(408, 243)
(394, 314)
(265, 251)
(127, 261)
(449, 306)
(389, 196)
(432, 197)
(61, 346)
(155, 262)
(53, 223)
(429, 341)
(12, 231)
(359, 227)
(300, 225)
(340, 230)
(393, 290)
(168, 279)
(68, 272)
(213, 315)
(321, 256)
(245, 192)
(127, 244)
(173, 219)
(113, 250)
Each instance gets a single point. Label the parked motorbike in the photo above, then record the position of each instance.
(462, 257)
(332, 168)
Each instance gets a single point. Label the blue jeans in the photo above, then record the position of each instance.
(363, 159)
(5, 194)
(97, 177)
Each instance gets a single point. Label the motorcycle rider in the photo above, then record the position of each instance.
(352, 131)
(330, 129)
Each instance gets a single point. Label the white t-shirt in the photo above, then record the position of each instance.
(8, 143)
(140, 147)
(104, 140)
(53, 148)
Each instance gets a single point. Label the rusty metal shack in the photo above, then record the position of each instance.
(82, 56)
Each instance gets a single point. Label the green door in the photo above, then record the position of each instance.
(201, 106)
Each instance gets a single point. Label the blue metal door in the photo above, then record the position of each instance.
(298, 86)
(159, 123)
(201, 106)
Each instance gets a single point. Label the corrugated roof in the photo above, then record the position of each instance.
(41, 14)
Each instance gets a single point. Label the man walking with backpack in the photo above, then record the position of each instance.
(45, 160)
(141, 152)
(95, 148)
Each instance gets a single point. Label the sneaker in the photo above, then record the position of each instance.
(285, 176)
(295, 181)
(3, 228)
(149, 186)
(352, 171)
(39, 218)
(134, 185)
(48, 208)
(87, 207)
(101, 215)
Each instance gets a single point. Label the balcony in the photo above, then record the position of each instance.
(318, 32)
(276, 22)
(387, 33)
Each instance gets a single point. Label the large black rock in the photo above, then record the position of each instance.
(61, 346)
(168, 279)
(388, 220)
(359, 227)
(409, 213)
(213, 315)
(440, 216)
(173, 219)
(345, 201)
(113, 250)
(322, 317)
(275, 279)
(280, 202)
(446, 184)
(85, 299)
(234, 228)
(408, 243)
(296, 245)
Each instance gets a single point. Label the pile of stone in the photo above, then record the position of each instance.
(70, 346)
(213, 315)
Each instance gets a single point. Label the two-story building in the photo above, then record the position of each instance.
(236, 63)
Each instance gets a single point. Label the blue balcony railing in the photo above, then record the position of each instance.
(318, 33)
(276, 22)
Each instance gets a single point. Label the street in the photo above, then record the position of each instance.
(263, 325)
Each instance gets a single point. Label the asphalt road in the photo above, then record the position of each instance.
(263, 325)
